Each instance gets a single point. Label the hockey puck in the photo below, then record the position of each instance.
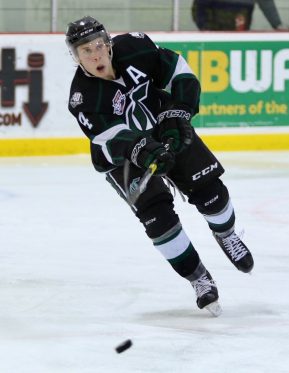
(123, 346)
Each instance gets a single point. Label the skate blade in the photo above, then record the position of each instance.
(214, 309)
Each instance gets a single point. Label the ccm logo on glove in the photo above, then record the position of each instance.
(145, 151)
(137, 148)
(174, 114)
(174, 123)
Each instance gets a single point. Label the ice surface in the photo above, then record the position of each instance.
(78, 275)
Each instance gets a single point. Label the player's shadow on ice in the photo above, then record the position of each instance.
(248, 315)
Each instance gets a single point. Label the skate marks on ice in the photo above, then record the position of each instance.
(258, 318)
(6, 194)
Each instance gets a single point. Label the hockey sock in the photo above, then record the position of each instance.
(213, 202)
(222, 221)
(178, 250)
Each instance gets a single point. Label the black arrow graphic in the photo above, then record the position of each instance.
(35, 108)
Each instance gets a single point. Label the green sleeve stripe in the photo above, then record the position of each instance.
(182, 76)
(126, 135)
(117, 159)
(180, 86)
(107, 123)
(123, 137)
(172, 67)
(99, 97)
(116, 122)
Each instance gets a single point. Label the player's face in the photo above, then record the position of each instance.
(94, 57)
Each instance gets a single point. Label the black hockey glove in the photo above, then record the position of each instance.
(174, 122)
(145, 151)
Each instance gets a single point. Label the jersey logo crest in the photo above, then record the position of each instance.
(76, 99)
(138, 116)
(118, 103)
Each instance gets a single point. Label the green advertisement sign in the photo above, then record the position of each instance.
(243, 83)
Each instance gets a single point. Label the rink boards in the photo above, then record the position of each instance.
(216, 142)
(244, 103)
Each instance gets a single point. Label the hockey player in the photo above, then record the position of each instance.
(120, 100)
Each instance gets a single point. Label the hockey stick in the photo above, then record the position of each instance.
(132, 197)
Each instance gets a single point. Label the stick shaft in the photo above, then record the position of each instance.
(133, 197)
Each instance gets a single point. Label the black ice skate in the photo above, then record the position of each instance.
(236, 250)
(207, 294)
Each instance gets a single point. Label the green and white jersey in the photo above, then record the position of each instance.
(113, 113)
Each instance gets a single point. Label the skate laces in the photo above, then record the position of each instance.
(235, 246)
(203, 285)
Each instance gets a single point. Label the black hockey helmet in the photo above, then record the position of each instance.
(84, 30)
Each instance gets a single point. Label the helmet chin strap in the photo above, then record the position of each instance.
(85, 71)
(110, 52)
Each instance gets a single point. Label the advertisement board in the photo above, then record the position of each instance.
(244, 78)
(35, 76)
(244, 83)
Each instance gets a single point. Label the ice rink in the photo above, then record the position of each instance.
(78, 275)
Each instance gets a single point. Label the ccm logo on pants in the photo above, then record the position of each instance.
(205, 171)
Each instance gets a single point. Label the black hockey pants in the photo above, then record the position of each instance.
(196, 174)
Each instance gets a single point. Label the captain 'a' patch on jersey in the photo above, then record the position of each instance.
(137, 114)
